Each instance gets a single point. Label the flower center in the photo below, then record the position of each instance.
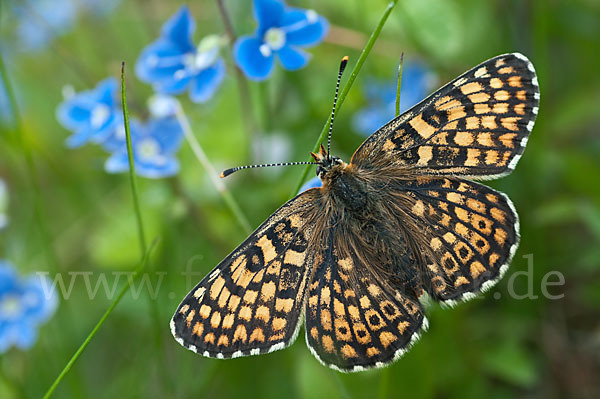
(162, 105)
(99, 116)
(148, 148)
(274, 40)
(205, 56)
(10, 307)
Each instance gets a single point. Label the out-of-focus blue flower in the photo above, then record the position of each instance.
(281, 30)
(314, 182)
(91, 115)
(41, 20)
(172, 64)
(417, 81)
(24, 304)
(154, 146)
(3, 204)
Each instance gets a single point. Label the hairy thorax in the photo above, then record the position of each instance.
(362, 209)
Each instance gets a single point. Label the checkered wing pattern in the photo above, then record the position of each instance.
(355, 320)
(251, 303)
(475, 126)
(470, 232)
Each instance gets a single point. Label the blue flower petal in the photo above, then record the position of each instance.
(105, 91)
(268, 14)
(368, 120)
(174, 85)
(29, 306)
(26, 336)
(117, 162)
(8, 277)
(158, 167)
(168, 133)
(312, 183)
(39, 299)
(179, 28)
(75, 113)
(292, 58)
(207, 82)
(251, 61)
(116, 140)
(106, 130)
(160, 60)
(308, 32)
(80, 137)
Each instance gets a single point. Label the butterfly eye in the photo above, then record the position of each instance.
(320, 170)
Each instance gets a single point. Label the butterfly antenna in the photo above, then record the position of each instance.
(337, 90)
(229, 171)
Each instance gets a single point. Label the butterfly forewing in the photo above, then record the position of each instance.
(354, 320)
(475, 126)
(252, 301)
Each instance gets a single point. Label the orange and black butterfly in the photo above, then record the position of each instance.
(403, 220)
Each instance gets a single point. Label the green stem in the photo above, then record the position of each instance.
(132, 180)
(112, 306)
(136, 205)
(210, 170)
(361, 60)
(399, 84)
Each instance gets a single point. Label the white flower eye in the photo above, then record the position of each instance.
(312, 16)
(148, 148)
(274, 38)
(99, 115)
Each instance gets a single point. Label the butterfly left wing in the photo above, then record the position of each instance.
(476, 126)
(251, 303)
(354, 319)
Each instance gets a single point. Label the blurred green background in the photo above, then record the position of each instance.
(521, 339)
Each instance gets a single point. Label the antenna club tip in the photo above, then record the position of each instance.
(227, 172)
(343, 63)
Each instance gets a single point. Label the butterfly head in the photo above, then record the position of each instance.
(325, 162)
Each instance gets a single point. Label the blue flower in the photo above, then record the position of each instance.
(281, 30)
(417, 81)
(42, 20)
(314, 182)
(91, 115)
(173, 65)
(3, 205)
(24, 304)
(154, 146)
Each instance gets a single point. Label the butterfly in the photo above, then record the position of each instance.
(404, 220)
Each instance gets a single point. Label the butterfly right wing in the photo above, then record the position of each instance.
(469, 234)
(476, 126)
(251, 303)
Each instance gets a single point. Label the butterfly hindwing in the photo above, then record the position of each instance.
(355, 321)
(252, 301)
(471, 233)
(475, 126)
